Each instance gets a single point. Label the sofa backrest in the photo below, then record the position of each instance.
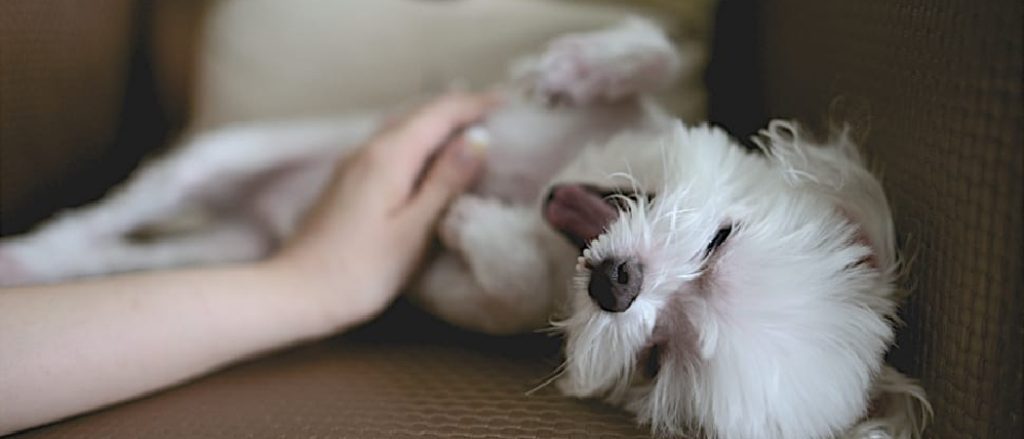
(934, 89)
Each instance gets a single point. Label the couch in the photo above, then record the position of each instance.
(87, 89)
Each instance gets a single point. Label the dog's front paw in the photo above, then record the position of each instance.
(605, 66)
(462, 222)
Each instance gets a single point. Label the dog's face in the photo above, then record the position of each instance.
(726, 291)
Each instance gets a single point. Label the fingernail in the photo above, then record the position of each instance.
(477, 138)
(475, 142)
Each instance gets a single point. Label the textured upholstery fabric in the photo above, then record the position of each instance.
(939, 79)
(63, 67)
(940, 84)
(407, 376)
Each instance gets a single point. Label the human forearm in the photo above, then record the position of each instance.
(69, 348)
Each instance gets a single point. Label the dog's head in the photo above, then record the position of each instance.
(738, 293)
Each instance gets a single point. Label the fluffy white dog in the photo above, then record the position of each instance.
(707, 288)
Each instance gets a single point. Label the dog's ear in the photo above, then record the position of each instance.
(850, 116)
(836, 170)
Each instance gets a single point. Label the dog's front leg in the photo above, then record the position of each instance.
(494, 276)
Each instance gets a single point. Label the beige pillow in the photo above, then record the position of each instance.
(264, 59)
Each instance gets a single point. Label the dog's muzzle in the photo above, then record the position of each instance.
(582, 213)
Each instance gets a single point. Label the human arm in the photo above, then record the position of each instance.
(69, 348)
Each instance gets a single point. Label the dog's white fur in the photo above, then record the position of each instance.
(779, 333)
(774, 333)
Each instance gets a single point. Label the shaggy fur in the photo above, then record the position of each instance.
(779, 331)
(768, 296)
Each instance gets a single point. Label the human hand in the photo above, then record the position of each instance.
(369, 230)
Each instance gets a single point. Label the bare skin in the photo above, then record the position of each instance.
(70, 348)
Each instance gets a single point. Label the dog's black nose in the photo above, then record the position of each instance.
(615, 283)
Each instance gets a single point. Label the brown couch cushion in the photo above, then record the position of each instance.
(942, 81)
(406, 376)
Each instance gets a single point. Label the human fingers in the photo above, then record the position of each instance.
(409, 147)
(455, 169)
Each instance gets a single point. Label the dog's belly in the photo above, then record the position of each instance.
(531, 144)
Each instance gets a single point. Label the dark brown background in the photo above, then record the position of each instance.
(935, 89)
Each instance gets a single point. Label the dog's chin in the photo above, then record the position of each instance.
(626, 359)
(605, 355)
(620, 359)
(613, 356)
(606, 352)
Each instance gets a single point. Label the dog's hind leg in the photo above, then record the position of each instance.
(227, 241)
(207, 174)
(633, 58)
(495, 277)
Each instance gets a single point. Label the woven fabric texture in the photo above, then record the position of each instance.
(935, 87)
(407, 376)
(63, 66)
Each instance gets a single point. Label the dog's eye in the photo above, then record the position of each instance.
(718, 240)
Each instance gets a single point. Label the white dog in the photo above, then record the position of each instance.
(707, 288)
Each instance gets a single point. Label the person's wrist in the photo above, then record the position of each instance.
(319, 284)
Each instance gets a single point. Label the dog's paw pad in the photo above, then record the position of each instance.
(564, 75)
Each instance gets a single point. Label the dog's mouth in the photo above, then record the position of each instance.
(582, 212)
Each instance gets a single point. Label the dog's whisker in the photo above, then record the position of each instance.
(554, 375)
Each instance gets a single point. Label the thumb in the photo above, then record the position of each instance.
(452, 173)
